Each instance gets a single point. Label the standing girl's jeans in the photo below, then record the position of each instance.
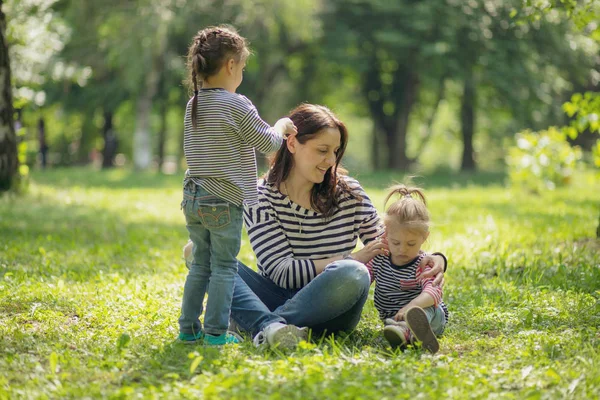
(215, 228)
(332, 302)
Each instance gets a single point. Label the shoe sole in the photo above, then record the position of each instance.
(416, 320)
(288, 337)
(395, 338)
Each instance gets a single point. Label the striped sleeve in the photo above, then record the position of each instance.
(427, 285)
(371, 226)
(256, 132)
(273, 251)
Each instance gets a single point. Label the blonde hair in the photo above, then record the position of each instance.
(409, 211)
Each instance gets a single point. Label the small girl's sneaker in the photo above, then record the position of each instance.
(416, 319)
(221, 340)
(281, 336)
(190, 338)
(392, 321)
(398, 335)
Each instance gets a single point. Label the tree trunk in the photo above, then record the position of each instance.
(110, 141)
(428, 134)
(142, 147)
(162, 134)
(373, 92)
(467, 118)
(398, 159)
(43, 145)
(9, 160)
(376, 149)
(393, 126)
(85, 150)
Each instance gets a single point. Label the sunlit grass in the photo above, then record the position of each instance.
(91, 280)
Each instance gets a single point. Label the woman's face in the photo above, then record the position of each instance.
(315, 157)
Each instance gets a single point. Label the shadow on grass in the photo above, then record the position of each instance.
(54, 239)
(117, 178)
(173, 361)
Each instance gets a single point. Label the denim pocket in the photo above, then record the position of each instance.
(216, 215)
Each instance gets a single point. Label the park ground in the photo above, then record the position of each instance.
(91, 278)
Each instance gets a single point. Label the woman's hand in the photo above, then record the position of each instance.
(374, 248)
(436, 268)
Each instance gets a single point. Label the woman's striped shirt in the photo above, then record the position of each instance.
(285, 252)
(220, 150)
(396, 286)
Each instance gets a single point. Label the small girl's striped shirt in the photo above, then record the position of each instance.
(286, 237)
(220, 150)
(398, 285)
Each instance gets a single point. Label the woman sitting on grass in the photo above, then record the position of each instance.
(303, 231)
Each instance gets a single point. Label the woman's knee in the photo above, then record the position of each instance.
(353, 274)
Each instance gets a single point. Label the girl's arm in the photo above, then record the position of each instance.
(259, 134)
(371, 227)
(431, 295)
(423, 300)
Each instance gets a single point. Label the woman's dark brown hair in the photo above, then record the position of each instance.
(310, 119)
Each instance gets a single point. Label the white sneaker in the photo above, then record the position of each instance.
(392, 321)
(281, 336)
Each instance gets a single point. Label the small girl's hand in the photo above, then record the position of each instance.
(400, 314)
(286, 127)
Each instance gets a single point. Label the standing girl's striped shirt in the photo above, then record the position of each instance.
(398, 285)
(286, 237)
(220, 150)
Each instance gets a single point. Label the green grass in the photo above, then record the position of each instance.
(91, 279)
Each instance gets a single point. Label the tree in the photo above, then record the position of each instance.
(404, 52)
(585, 14)
(9, 160)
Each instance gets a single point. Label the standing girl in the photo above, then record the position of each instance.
(410, 305)
(221, 131)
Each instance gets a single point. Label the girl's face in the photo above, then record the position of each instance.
(315, 157)
(404, 243)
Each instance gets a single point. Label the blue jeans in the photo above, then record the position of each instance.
(437, 319)
(331, 302)
(215, 228)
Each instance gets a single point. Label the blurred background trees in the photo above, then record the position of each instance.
(422, 85)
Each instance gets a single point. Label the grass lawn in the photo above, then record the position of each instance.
(91, 279)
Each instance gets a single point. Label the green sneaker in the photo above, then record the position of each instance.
(190, 338)
(226, 338)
